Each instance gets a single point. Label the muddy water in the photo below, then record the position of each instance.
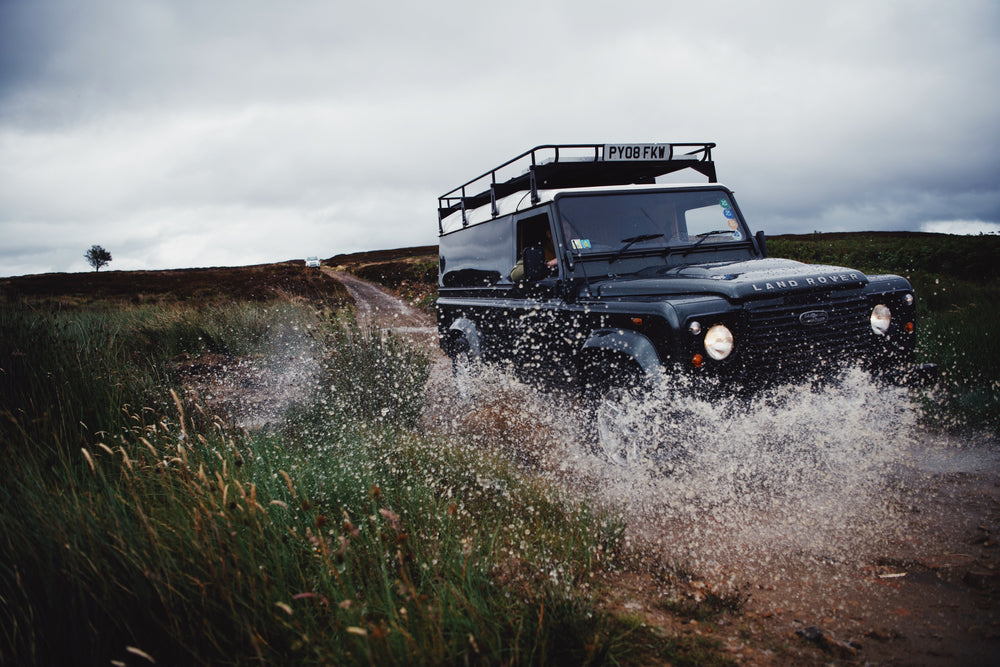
(798, 467)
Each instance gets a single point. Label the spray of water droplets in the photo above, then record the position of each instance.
(719, 484)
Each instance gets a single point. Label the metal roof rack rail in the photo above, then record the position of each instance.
(577, 165)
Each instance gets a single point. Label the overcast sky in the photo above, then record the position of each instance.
(179, 133)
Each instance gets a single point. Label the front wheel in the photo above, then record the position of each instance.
(616, 390)
(633, 427)
(618, 427)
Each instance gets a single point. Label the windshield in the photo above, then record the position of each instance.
(620, 222)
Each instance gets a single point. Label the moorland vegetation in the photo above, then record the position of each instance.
(139, 523)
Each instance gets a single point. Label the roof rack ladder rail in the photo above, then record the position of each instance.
(465, 220)
(531, 177)
(493, 195)
(704, 148)
(444, 204)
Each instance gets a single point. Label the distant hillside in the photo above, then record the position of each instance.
(972, 258)
(373, 256)
(409, 272)
(412, 271)
(253, 283)
(960, 257)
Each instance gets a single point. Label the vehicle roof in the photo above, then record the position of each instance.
(521, 201)
(556, 166)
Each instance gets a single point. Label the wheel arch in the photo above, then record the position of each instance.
(463, 336)
(618, 351)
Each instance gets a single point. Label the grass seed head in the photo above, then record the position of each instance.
(90, 461)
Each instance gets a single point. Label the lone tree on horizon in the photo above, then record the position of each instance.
(97, 257)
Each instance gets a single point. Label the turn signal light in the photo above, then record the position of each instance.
(908, 327)
(697, 361)
(637, 321)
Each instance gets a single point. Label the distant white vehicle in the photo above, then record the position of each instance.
(312, 262)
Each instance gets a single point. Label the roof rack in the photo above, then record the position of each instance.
(577, 165)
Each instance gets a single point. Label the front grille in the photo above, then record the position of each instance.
(777, 340)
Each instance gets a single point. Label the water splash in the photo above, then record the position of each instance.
(798, 470)
(255, 390)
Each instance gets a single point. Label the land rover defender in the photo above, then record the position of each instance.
(582, 267)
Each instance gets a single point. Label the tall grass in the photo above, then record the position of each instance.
(373, 376)
(69, 373)
(342, 537)
(960, 331)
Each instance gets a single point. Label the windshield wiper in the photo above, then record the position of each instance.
(629, 241)
(705, 235)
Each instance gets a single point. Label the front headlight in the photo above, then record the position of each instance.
(881, 316)
(719, 342)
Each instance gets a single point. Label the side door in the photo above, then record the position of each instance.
(538, 320)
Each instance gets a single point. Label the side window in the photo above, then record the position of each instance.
(534, 232)
(477, 256)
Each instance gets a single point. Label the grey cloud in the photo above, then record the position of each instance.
(188, 133)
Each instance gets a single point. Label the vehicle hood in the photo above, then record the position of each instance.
(734, 280)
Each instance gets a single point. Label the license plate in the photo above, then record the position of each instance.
(625, 152)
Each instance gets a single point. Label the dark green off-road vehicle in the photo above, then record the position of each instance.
(575, 264)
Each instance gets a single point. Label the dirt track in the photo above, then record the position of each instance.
(376, 306)
(913, 583)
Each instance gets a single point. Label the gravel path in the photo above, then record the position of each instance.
(378, 307)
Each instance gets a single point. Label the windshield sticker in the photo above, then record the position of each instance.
(580, 244)
(724, 203)
(733, 224)
(737, 236)
(728, 212)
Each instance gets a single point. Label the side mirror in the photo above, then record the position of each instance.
(761, 243)
(534, 264)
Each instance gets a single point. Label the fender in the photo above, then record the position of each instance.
(630, 343)
(467, 329)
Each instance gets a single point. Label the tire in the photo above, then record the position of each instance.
(628, 426)
(617, 432)
(613, 388)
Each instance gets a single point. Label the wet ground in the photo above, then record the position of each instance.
(847, 531)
